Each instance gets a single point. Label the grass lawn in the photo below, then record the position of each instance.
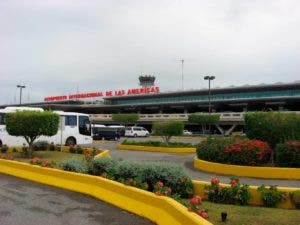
(55, 156)
(248, 215)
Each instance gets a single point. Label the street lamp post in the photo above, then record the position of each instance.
(21, 87)
(209, 78)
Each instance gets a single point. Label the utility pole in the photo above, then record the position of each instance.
(209, 78)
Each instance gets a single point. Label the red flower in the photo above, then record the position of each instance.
(159, 184)
(204, 214)
(214, 180)
(233, 183)
(44, 163)
(35, 160)
(284, 196)
(196, 200)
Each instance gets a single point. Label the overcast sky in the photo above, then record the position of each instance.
(55, 47)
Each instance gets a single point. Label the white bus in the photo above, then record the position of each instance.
(74, 128)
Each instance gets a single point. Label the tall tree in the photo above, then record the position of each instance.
(126, 118)
(203, 119)
(168, 129)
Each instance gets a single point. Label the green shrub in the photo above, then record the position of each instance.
(172, 175)
(288, 154)
(213, 149)
(75, 165)
(128, 169)
(168, 129)
(273, 127)
(105, 165)
(159, 144)
(4, 148)
(271, 196)
(79, 150)
(40, 145)
(145, 175)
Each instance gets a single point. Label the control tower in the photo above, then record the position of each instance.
(147, 80)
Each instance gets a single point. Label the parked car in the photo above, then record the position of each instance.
(136, 132)
(121, 129)
(105, 133)
(186, 132)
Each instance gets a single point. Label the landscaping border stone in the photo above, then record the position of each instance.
(248, 171)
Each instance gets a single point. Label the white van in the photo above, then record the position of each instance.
(136, 132)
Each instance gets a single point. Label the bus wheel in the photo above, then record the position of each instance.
(70, 141)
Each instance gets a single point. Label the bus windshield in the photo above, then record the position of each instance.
(84, 125)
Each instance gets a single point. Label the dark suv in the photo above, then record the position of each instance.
(105, 133)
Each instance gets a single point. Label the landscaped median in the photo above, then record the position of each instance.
(255, 200)
(156, 149)
(247, 171)
(159, 209)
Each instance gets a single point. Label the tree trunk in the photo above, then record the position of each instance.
(30, 149)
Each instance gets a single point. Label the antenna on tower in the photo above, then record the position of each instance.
(182, 62)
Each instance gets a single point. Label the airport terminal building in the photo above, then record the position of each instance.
(279, 96)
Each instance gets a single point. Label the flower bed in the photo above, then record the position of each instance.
(237, 152)
(249, 152)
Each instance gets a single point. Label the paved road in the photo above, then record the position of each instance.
(24, 202)
(186, 161)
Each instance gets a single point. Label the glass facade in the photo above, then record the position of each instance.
(204, 98)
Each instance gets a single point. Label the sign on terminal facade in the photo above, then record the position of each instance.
(121, 92)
